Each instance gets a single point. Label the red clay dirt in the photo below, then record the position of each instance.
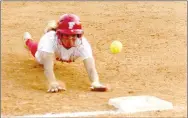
(152, 62)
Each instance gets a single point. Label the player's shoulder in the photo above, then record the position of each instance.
(51, 35)
(85, 43)
(48, 42)
(84, 40)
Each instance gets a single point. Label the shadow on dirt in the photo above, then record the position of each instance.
(30, 75)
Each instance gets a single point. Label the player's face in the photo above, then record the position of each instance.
(69, 40)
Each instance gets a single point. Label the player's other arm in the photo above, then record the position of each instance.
(48, 63)
(93, 75)
(89, 64)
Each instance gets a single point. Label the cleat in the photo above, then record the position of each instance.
(26, 37)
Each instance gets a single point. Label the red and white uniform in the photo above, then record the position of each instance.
(49, 43)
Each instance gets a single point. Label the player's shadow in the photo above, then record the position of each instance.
(34, 78)
(32, 75)
(74, 76)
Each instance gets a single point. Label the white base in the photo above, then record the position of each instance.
(124, 105)
(132, 104)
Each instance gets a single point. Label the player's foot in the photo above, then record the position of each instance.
(52, 25)
(27, 36)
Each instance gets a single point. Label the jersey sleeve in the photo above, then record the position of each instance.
(84, 50)
(47, 42)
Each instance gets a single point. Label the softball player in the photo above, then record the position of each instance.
(63, 41)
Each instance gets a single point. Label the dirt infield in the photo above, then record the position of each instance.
(152, 62)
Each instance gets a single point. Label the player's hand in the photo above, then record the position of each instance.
(56, 87)
(99, 87)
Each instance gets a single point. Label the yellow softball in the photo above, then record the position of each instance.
(116, 47)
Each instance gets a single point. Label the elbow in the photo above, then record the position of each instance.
(47, 71)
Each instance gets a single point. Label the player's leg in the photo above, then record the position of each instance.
(30, 44)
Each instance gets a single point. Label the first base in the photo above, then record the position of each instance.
(133, 104)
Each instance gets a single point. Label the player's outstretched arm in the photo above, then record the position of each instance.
(48, 63)
(89, 64)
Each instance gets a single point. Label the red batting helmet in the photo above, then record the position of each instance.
(69, 24)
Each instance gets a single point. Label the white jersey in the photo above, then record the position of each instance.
(49, 43)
